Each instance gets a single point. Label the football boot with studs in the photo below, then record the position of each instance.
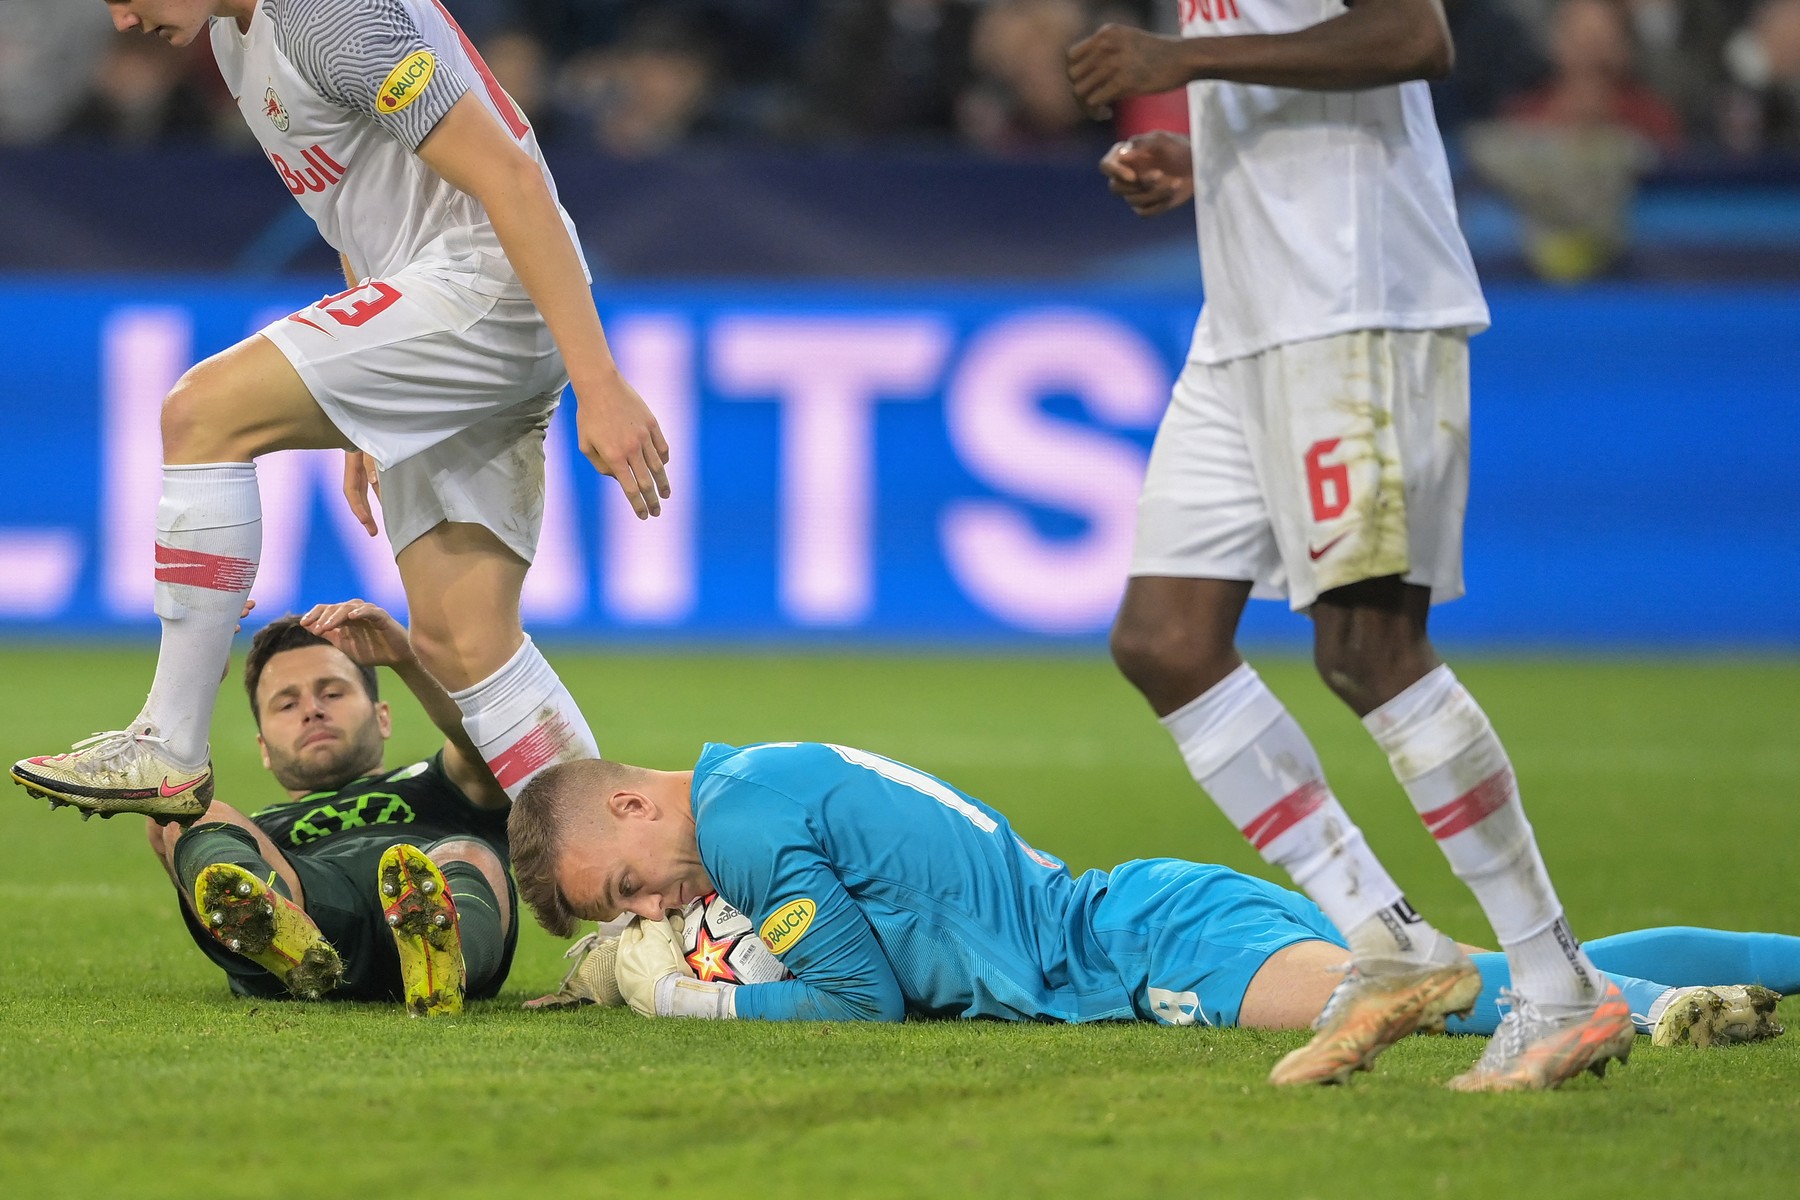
(1533, 1051)
(1377, 1005)
(1718, 1016)
(123, 771)
(419, 910)
(250, 918)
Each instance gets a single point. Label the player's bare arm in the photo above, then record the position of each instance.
(369, 636)
(615, 427)
(1152, 172)
(1375, 43)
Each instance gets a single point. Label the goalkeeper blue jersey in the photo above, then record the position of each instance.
(885, 890)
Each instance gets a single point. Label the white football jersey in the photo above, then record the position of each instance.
(340, 93)
(1319, 212)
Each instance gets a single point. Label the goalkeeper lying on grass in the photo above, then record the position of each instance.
(885, 891)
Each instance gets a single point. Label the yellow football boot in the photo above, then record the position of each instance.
(252, 919)
(422, 915)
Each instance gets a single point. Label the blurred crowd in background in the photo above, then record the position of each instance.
(639, 76)
(1560, 108)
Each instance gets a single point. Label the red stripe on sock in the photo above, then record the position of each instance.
(215, 572)
(531, 753)
(1472, 807)
(1286, 812)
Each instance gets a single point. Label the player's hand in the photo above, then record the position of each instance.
(249, 604)
(360, 476)
(648, 951)
(1118, 61)
(620, 436)
(594, 979)
(1153, 172)
(367, 634)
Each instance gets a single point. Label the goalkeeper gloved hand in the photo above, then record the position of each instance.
(592, 980)
(655, 979)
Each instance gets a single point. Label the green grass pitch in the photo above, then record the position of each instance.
(1663, 792)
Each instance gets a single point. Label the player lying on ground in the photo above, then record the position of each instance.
(885, 891)
(720, 944)
(366, 884)
(438, 369)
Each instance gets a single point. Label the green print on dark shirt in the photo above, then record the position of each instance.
(340, 814)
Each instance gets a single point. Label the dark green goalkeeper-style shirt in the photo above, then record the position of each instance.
(417, 803)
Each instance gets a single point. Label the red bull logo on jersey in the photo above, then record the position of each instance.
(406, 81)
(316, 171)
(788, 925)
(274, 110)
(1208, 10)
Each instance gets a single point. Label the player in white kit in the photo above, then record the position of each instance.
(468, 312)
(1317, 447)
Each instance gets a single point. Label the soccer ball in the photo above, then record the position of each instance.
(722, 945)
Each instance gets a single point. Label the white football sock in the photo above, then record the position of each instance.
(1248, 753)
(1446, 755)
(523, 720)
(208, 541)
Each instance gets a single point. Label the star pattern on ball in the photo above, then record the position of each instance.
(707, 958)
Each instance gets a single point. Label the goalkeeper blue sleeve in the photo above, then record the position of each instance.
(766, 859)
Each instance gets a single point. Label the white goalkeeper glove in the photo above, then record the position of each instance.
(592, 980)
(655, 979)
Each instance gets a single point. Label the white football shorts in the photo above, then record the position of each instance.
(1314, 465)
(449, 390)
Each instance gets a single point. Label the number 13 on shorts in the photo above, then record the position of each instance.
(350, 308)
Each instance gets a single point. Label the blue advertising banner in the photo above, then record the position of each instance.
(927, 466)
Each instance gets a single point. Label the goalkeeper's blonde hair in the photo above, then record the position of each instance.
(538, 828)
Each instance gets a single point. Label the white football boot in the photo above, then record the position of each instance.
(1534, 1052)
(1378, 1004)
(1718, 1016)
(123, 771)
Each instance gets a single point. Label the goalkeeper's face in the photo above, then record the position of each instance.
(638, 855)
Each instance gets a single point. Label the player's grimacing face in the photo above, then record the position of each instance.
(175, 21)
(320, 729)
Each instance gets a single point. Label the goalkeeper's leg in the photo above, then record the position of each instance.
(1685, 956)
(1703, 987)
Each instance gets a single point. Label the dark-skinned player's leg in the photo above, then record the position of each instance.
(1372, 649)
(1175, 640)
